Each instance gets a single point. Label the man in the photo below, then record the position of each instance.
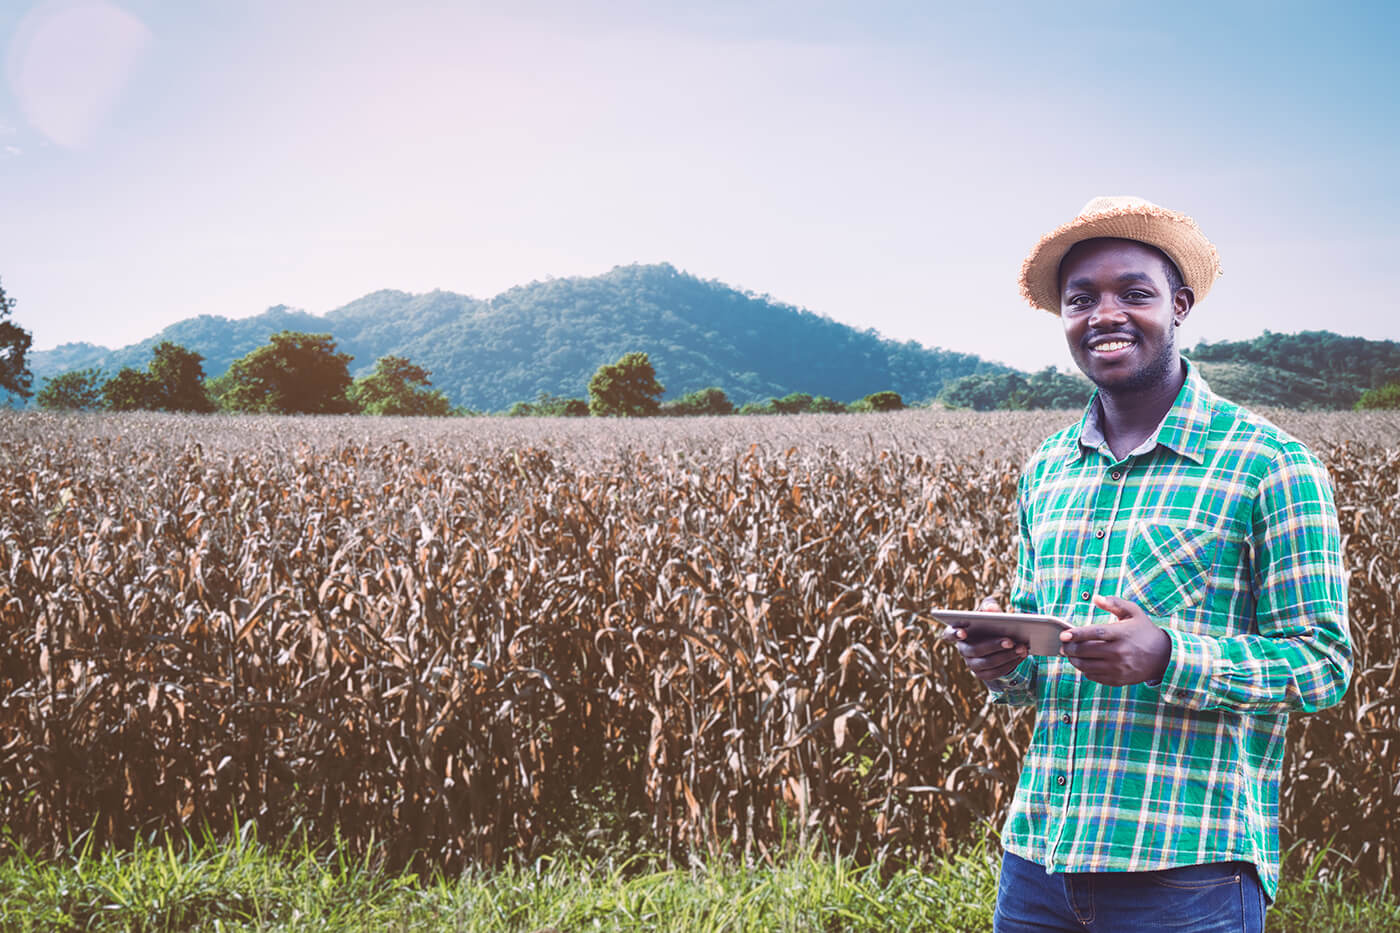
(1194, 549)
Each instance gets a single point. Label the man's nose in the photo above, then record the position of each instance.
(1107, 311)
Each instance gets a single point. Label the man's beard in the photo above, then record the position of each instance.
(1155, 372)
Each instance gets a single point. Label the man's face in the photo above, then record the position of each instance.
(1119, 314)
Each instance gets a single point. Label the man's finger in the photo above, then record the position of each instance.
(998, 664)
(990, 604)
(1093, 666)
(1096, 650)
(985, 647)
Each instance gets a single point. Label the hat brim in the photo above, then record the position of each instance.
(1174, 234)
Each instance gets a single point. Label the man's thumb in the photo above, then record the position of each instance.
(1119, 607)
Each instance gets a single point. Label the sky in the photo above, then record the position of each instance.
(886, 164)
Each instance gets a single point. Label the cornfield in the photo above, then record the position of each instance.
(455, 640)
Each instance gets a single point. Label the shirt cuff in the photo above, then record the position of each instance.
(1014, 685)
(1186, 681)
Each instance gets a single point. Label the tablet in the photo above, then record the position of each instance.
(1042, 633)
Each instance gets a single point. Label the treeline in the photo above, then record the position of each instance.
(549, 337)
(298, 373)
(1309, 370)
(293, 373)
(1013, 391)
(1339, 361)
(1312, 369)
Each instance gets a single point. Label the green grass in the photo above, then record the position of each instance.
(243, 885)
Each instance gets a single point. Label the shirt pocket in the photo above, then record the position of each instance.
(1169, 565)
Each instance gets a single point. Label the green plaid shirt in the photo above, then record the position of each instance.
(1223, 529)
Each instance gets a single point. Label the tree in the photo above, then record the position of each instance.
(397, 387)
(550, 406)
(985, 391)
(707, 401)
(1385, 397)
(627, 387)
(759, 408)
(130, 390)
(14, 344)
(1050, 388)
(794, 403)
(75, 390)
(177, 378)
(879, 401)
(294, 373)
(172, 381)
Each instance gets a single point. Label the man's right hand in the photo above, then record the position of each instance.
(990, 658)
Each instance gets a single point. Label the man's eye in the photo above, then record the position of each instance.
(1137, 295)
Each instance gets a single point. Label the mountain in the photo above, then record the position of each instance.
(551, 336)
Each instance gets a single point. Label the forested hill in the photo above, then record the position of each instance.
(1310, 369)
(551, 336)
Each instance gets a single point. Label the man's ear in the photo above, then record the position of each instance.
(1182, 303)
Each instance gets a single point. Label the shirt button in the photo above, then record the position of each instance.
(1116, 474)
(1084, 595)
(1065, 719)
(1060, 780)
(1099, 533)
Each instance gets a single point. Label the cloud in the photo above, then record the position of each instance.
(12, 150)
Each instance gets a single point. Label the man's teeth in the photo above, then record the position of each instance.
(1113, 345)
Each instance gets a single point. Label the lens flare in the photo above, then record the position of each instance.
(68, 64)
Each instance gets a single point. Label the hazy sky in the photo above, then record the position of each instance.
(887, 164)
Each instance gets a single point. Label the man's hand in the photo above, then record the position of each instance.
(1128, 650)
(988, 658)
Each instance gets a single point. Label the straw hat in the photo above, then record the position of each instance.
(1129, 218)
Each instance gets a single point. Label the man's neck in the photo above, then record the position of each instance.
(1129, 418)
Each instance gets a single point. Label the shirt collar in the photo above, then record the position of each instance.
(1183, 429)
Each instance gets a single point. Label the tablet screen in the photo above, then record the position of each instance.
(1041, 633)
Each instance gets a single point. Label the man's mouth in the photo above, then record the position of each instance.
(1110, 346)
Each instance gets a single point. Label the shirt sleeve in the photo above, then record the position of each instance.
(1298, 655)
(1018, 687)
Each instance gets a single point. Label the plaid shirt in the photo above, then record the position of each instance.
(1223, 529)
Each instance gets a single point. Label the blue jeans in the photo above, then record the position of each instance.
(1212, 898)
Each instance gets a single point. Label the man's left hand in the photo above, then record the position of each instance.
(1128, 650)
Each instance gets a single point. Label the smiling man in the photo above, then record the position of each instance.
(1194, 548)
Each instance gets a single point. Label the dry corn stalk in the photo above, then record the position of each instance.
(445, 637)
